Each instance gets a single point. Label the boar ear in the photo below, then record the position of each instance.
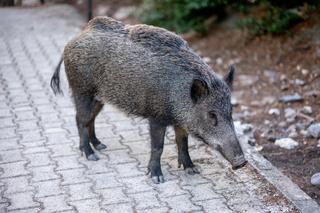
(199, 90)
(230, 76)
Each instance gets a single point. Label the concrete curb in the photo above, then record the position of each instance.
(303, 202)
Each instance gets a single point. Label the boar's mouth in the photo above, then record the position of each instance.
(201, 138)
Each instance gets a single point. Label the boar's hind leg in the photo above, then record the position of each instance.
(183, 153)
(86, 112)
(157, 133)
(97, 106)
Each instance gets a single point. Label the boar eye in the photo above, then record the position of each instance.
(214, 118)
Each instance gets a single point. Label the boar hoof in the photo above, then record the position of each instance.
(192, 170)
(93, 157)
(100, 146)
(157, 179)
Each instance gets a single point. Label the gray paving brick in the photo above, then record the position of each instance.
(88, 205)
(39, 159)
(136, 184)
(73, 176)
(181, 203)
(106, 180)
(68, 162)
(55, 203)
(14, 169)
(47, 188)
(113, 196)
(203, 192)
(28, 125)
(119, 207)
(21, 200)
(37, 147)
(81, 191)
(17, 184)
(96, 168)
(30, 136)
(9, 144)
(8, 133)
(120, 157)
(146, 200)
(60, 150)
(6, 122)
(44, 173)
(128, 170)
(28, 210)
(215, 205)
(170, 188)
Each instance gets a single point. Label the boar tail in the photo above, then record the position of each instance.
(55, 80)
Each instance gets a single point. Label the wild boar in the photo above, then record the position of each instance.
(149, 72)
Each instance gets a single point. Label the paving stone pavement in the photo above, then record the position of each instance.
(41, 169)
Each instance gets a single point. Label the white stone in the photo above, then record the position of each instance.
(315, 179)
(206, 59)
(305, 72)
(307, 110)
(219, 61)
(290, 114)
(314, 130)
(274, 111)
(286, 143)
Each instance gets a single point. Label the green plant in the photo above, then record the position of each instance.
(276, 20)
(181, 15)
(261, 16)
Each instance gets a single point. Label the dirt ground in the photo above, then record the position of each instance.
(268, 67)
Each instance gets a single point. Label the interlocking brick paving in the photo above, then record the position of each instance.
(42, 169)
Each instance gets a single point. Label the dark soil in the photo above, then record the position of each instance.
(287, 55)
(284, 55)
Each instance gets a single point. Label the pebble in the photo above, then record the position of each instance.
(247, 80)
(315, 179)
(272, 75)
(219, 61)
(234, 101)
(305, 72)
(307, 110)
(274, 111)
(299, 82)
(291, 98)
(206, 59)
(290, 114)
(286, 143)
(314, 130)
(268, 100)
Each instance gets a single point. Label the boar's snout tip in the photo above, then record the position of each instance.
(239, 165)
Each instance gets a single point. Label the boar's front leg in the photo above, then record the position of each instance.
(183, 153)
(157, 133)
(87, 109)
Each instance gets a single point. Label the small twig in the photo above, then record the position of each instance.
(305, 116)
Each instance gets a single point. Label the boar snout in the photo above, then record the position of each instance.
(234, 154)
(239, 162)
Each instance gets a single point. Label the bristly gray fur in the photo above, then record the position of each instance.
(150, 72)
(138, 68)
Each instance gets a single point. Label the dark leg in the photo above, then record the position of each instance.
(97, 106)
(157, 133)
(183, 153)
(89, 10)
(86, 112)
